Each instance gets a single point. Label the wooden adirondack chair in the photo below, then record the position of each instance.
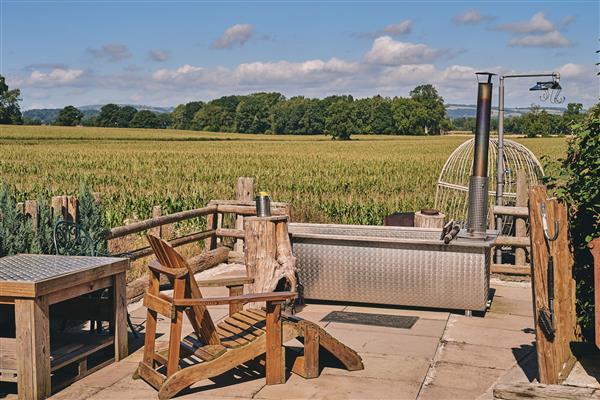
(242, 336)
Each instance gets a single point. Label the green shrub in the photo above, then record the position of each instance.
(577, 181)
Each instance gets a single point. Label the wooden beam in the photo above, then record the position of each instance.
(512, 241)
(522, 212)
(520, 225)
(163, 220)
(538, 391)
(511, 269)
(234, 233)
(244, 191)
(194, 237)
(244, 298)
(275, 355)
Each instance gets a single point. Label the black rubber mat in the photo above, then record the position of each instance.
(391, 321)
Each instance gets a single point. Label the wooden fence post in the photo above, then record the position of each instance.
(71, 208)
(59, 208)
(244, 191)
(520, 225)
(157, 231)
(31, 209)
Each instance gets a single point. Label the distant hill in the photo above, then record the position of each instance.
(48, 115)
(469, 110)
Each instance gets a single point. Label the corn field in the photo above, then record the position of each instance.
(350, 182)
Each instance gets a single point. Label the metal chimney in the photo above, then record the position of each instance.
(478, 182)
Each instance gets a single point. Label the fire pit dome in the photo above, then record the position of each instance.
(451, 196)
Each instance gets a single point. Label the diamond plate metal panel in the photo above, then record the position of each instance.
(35, 268)
(411, 274)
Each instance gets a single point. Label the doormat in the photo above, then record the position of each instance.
(390, 321)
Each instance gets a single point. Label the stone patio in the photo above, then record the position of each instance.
(445, 355)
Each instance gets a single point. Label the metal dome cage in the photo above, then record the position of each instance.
(451, 196)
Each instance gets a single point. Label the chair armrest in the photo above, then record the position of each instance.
(241, 299)
(172, 272)
(234, 281)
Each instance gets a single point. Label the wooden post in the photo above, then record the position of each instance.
(157, 231)
(33, 348)
(424, 220)
(120, 315)
(244, 191)
(31, 209)
(275, 370)
(555, 359)
(594, 246)
(268, 253)
(71, 208)
(520, 225)
(21, 207)
(57, 207)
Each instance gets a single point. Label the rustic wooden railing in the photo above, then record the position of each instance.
(520, 242)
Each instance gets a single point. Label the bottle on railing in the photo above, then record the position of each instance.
(263, 204)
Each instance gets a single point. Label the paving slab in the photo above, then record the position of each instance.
(476, 355)
(338, 388)
(371, 341)
(411, 312)
(470, 380)
(458, 331)
(423, 327)
(498, 321)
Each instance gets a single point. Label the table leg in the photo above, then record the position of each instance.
(33, 348)
(120, 314)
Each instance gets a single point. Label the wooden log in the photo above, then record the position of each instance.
(268, 252)
(153, 222)
(594, 246)
(236, 258)
(212, 223)
(72, 208)
(275, 354)
(512, 241)
(429, 221)
(31, 210)
(520, 225)
(247, 210)
(146, 251)
(537, 391)
(156, 231)
(244, 191)
(522, 212)
(199, 263)
(59, 207)
(234, 233)
(511, 269)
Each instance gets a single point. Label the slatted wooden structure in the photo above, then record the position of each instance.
(213, 349)
(555, 359)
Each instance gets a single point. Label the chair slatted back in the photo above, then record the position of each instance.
(198, 315)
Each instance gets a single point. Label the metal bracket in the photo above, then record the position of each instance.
(545, 225)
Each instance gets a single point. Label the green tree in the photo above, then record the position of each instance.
(164, 120)
(69, 116)
(381, 118)
(109, 116)
(183, 115)
(145, 119)
(124, 116)
(536, 122)
(253, 111)
(404, 112)
(10, 112)
(341, 119)
(431, 112)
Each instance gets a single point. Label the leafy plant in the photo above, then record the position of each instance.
(577, 181)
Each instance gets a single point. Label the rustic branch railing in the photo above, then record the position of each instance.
(520, 242)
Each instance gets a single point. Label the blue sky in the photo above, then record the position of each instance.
(165, 53)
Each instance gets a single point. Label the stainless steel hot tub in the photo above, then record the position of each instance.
(391, 265)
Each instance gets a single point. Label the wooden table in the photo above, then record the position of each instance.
(34, 282)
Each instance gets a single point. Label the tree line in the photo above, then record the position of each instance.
(422, 113)
(536, 122)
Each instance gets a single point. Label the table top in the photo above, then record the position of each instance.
(35, 271)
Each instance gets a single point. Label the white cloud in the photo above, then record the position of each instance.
(56, 77)
(387, 51)
(472, 17)
(401, 28)
(285, 71)
(238, 34)
(159, 55)
(180, 74)
(537, 24)
(111, 52)
(550, 39)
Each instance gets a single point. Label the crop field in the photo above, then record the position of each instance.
(358, 181)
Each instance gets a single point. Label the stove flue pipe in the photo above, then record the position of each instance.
(478, 182)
